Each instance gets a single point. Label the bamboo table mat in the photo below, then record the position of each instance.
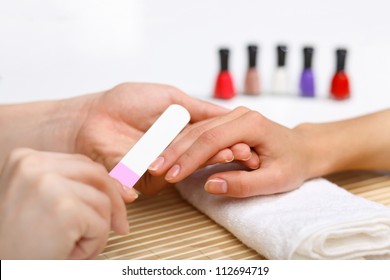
(167, 227)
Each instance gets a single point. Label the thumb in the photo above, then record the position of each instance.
(242, 183)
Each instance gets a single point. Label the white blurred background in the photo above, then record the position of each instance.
(55, 49)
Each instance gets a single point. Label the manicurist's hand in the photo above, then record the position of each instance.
(102, 126)
(57, 206)
(279, 163)
(114, 120)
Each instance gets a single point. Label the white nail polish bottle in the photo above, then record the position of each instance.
(280, 77)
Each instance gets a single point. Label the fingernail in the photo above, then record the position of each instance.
(156, 164)
(216, 186)
(229, 160)
(250, 156)
(130, 192)
(173, 172)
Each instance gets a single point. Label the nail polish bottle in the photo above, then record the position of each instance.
(280, 77)
(224, 88)
(252, 80)
(307, 77)
(340, 82)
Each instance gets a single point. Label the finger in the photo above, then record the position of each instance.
(93, 233)
(224, 156)
(94, 196)
(184, 141)
(90, 173)
(244, 129)
(246, 183)
(241, 151)
(128, 194)
(84, 215)
(253, 162)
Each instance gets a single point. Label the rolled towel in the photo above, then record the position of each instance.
(319, 220)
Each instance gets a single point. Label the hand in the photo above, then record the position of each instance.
(281, 163)
(116, 119)
(57, 206)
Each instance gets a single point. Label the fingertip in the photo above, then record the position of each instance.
(129, 194)
(156, 166)
(253, 162)
(173, 173)
(216, 186)
(241, 152)
(122, 229)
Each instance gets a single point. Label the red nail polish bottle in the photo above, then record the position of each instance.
(224, 88)
(340, 82)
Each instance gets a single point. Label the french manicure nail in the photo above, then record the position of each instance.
(216, 186)
(156, 164)
(173, 172)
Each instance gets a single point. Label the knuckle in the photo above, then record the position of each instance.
(174, 91)
(256, 116)
(209, 137)
(17, 154)
(195, 132)
(241, 109)
(30, 162)
(172, 152)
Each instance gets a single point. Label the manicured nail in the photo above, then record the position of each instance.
(216, 186)
(173, 172)
(246, 159)
(157, 164)
(130, 192)
(229, 160)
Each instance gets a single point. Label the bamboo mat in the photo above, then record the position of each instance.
(167, 227)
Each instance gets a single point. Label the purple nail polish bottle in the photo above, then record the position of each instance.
(307, 77)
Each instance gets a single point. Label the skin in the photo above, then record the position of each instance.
(287, 157)
(62, 179)
(56, 206)
(103, 126)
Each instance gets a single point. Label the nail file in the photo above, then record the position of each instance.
(135, 163)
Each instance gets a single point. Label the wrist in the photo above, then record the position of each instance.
(45, 125)
(319, 149)
(65, 125)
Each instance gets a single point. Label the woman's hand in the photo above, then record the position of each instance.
(280, 162)
(57, 206)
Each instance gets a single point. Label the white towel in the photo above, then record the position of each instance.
(319, 220)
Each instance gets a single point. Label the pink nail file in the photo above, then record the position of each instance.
(135, 163)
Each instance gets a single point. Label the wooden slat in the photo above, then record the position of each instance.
(166, 227)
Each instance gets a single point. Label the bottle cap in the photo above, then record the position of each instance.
(281, 51)
(341, 55)
(252, 51)
(307, 57)
(224, 56)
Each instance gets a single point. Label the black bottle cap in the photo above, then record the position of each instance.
(282, 51)
(341, 55)
(252, 51)
(307, 57)
(224, 56)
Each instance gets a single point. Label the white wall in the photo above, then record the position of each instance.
(54, 49)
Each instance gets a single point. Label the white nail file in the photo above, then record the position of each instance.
(135, 163)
